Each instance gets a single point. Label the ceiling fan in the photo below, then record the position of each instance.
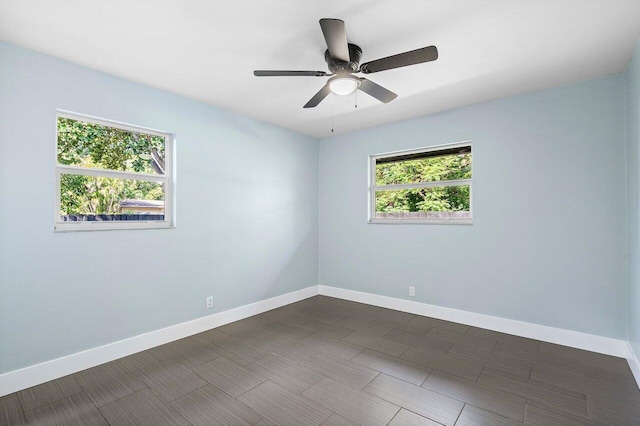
(343, 60)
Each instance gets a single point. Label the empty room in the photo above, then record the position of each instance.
(320, 213)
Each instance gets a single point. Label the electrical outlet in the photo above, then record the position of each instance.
(412, 291)
(209, 302)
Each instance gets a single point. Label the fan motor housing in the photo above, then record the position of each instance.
(339, 67)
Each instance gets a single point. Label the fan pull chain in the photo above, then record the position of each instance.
(356, 98)
(332, 101)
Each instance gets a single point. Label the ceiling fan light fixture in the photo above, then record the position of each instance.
(344, 85)
(343, 60)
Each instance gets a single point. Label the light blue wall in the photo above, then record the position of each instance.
(246, 209)
(547, 243)
(633, 202)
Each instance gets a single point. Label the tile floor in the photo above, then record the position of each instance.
(326, 361)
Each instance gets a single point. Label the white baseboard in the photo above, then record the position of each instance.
(16, 380)
(634, 364)
(576, 339)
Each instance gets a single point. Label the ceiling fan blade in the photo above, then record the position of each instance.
(418, 56)
(377, 91)
(267, 73)
(318, 97)
(336, 37)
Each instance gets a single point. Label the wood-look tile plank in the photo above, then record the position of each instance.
(427, 403)
(399, 316)
(141, 408)
(327, 316)
(409, 326)
(238, 350)
(535, 356)
(587, 384)
(489, 359)
(476, 343)
(139, 361)
(322, 301)
(369, 328)
(171, 380)
(363, 315)
(282, 407)
(290, 375)
(291, 350)
(271, 344)
(612, 411)
(74, 410)
(355, 405)
(210, 336)
(103, 384)
(11, 411)
(474, 416)
(211, 406)
(347, 372)
(438, 361)
(133, 379)
(48, 392)
(392, 366)
(614, 378)
(537, 414)
(534, 390)
(283, 329)
(162, 352)
(629, 401)
(570, 380)
(418, 341)
(442, 324)
(193, 353)
(232, 378)
(244, 327)
(256, 330)
(383, 345)
(351, 305)
(338, 420)
(340, 348)
(312, 325)
(509, 339)
(600, 360)
(273, 315)
(407, 418)
(482, 396)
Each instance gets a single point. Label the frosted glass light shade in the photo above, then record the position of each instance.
(344, 85)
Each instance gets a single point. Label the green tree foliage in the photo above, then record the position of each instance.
(96, 146)
(432, 169)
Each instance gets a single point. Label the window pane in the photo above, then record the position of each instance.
(87, 198)
(433, 169)
(92, 145)
(441, 203)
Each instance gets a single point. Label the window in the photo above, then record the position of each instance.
(428, 185)
(111, 176)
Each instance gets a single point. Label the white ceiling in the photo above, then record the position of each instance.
(207, 50)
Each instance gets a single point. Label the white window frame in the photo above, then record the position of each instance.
(373, 187)
(168, 179)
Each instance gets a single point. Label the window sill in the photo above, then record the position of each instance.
(420, 222)
(109, 226)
